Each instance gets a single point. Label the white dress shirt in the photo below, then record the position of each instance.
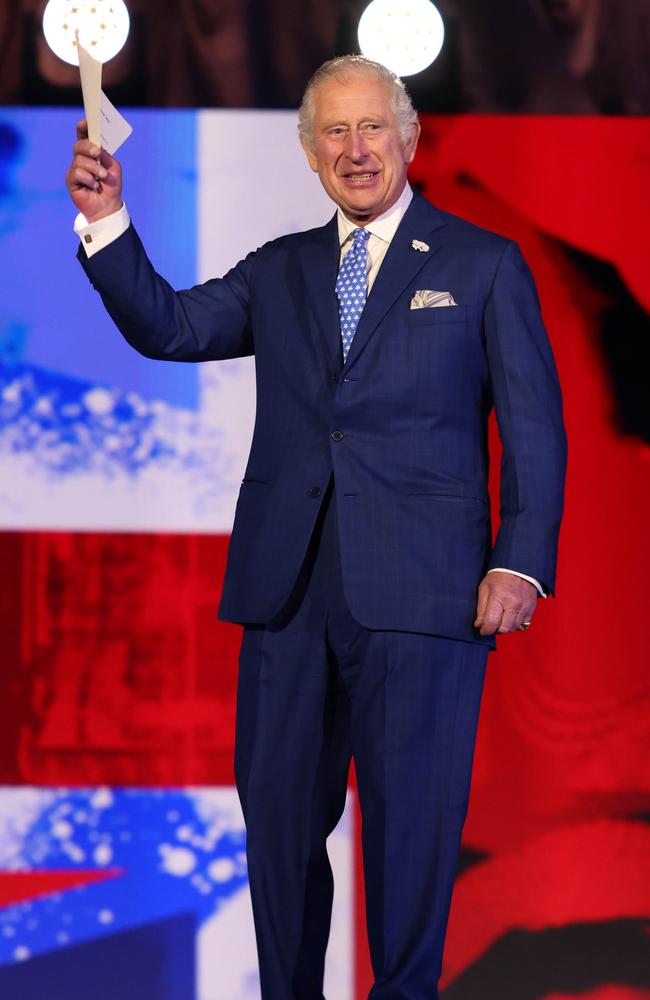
(95, 236)
(381, 230)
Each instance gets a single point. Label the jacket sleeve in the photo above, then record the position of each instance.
(206, 323)
(528, 405)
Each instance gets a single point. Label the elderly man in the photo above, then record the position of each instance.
(361, 562)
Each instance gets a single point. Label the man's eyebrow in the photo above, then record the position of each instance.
(334, 122)
(338, 123)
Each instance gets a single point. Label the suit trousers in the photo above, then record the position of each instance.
(316, 688)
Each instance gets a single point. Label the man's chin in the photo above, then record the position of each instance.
(361, 208)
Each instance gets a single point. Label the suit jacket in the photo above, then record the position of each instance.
(402, 426)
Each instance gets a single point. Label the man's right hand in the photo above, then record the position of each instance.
(94, 178)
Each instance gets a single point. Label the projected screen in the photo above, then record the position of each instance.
(92, 435)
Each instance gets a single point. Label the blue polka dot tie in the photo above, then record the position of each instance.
(351, 287)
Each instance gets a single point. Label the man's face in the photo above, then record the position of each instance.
(358, 151)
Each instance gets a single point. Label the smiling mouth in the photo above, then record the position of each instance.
(360, 178)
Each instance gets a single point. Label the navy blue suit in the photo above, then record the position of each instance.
(363, 525)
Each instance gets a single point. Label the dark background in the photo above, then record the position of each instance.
(511, 56)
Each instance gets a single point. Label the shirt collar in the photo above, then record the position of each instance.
(384, 226)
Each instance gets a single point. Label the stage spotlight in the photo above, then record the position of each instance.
(103, 27)
(404, 35)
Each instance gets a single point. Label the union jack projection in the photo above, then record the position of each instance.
(122, 846)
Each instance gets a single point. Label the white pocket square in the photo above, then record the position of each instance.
(425, 299)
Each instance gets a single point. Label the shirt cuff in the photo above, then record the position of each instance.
(95, 236)
(531, 579)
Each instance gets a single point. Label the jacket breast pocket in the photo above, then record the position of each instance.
(439, 316)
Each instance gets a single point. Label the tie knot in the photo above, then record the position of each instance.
(360, 236)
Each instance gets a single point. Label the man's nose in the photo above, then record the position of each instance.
(357, 147)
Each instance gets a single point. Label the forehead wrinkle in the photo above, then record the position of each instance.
(331, 123)
(341, 94)
(343, 113)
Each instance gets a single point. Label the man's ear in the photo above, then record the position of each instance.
(312, 159)
(412, 144)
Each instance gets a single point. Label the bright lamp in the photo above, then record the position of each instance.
(103, 27)
(404, 35)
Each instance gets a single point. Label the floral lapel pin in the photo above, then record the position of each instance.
(419, 245)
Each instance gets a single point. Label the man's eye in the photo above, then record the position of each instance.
(337, 131)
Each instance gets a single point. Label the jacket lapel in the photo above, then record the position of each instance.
(319, 261)
(399, 267)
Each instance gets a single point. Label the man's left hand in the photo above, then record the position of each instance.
(505, 601)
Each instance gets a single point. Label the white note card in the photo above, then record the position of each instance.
(90, 70)
(113, 127)
(106, 126)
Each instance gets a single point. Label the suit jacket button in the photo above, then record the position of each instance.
(314, 491)
(337, 435)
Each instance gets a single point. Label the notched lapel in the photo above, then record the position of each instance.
(319, 261)
(399, 267)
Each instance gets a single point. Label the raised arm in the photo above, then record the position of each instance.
(204, 323)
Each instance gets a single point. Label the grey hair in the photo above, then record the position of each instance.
(342, 68)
